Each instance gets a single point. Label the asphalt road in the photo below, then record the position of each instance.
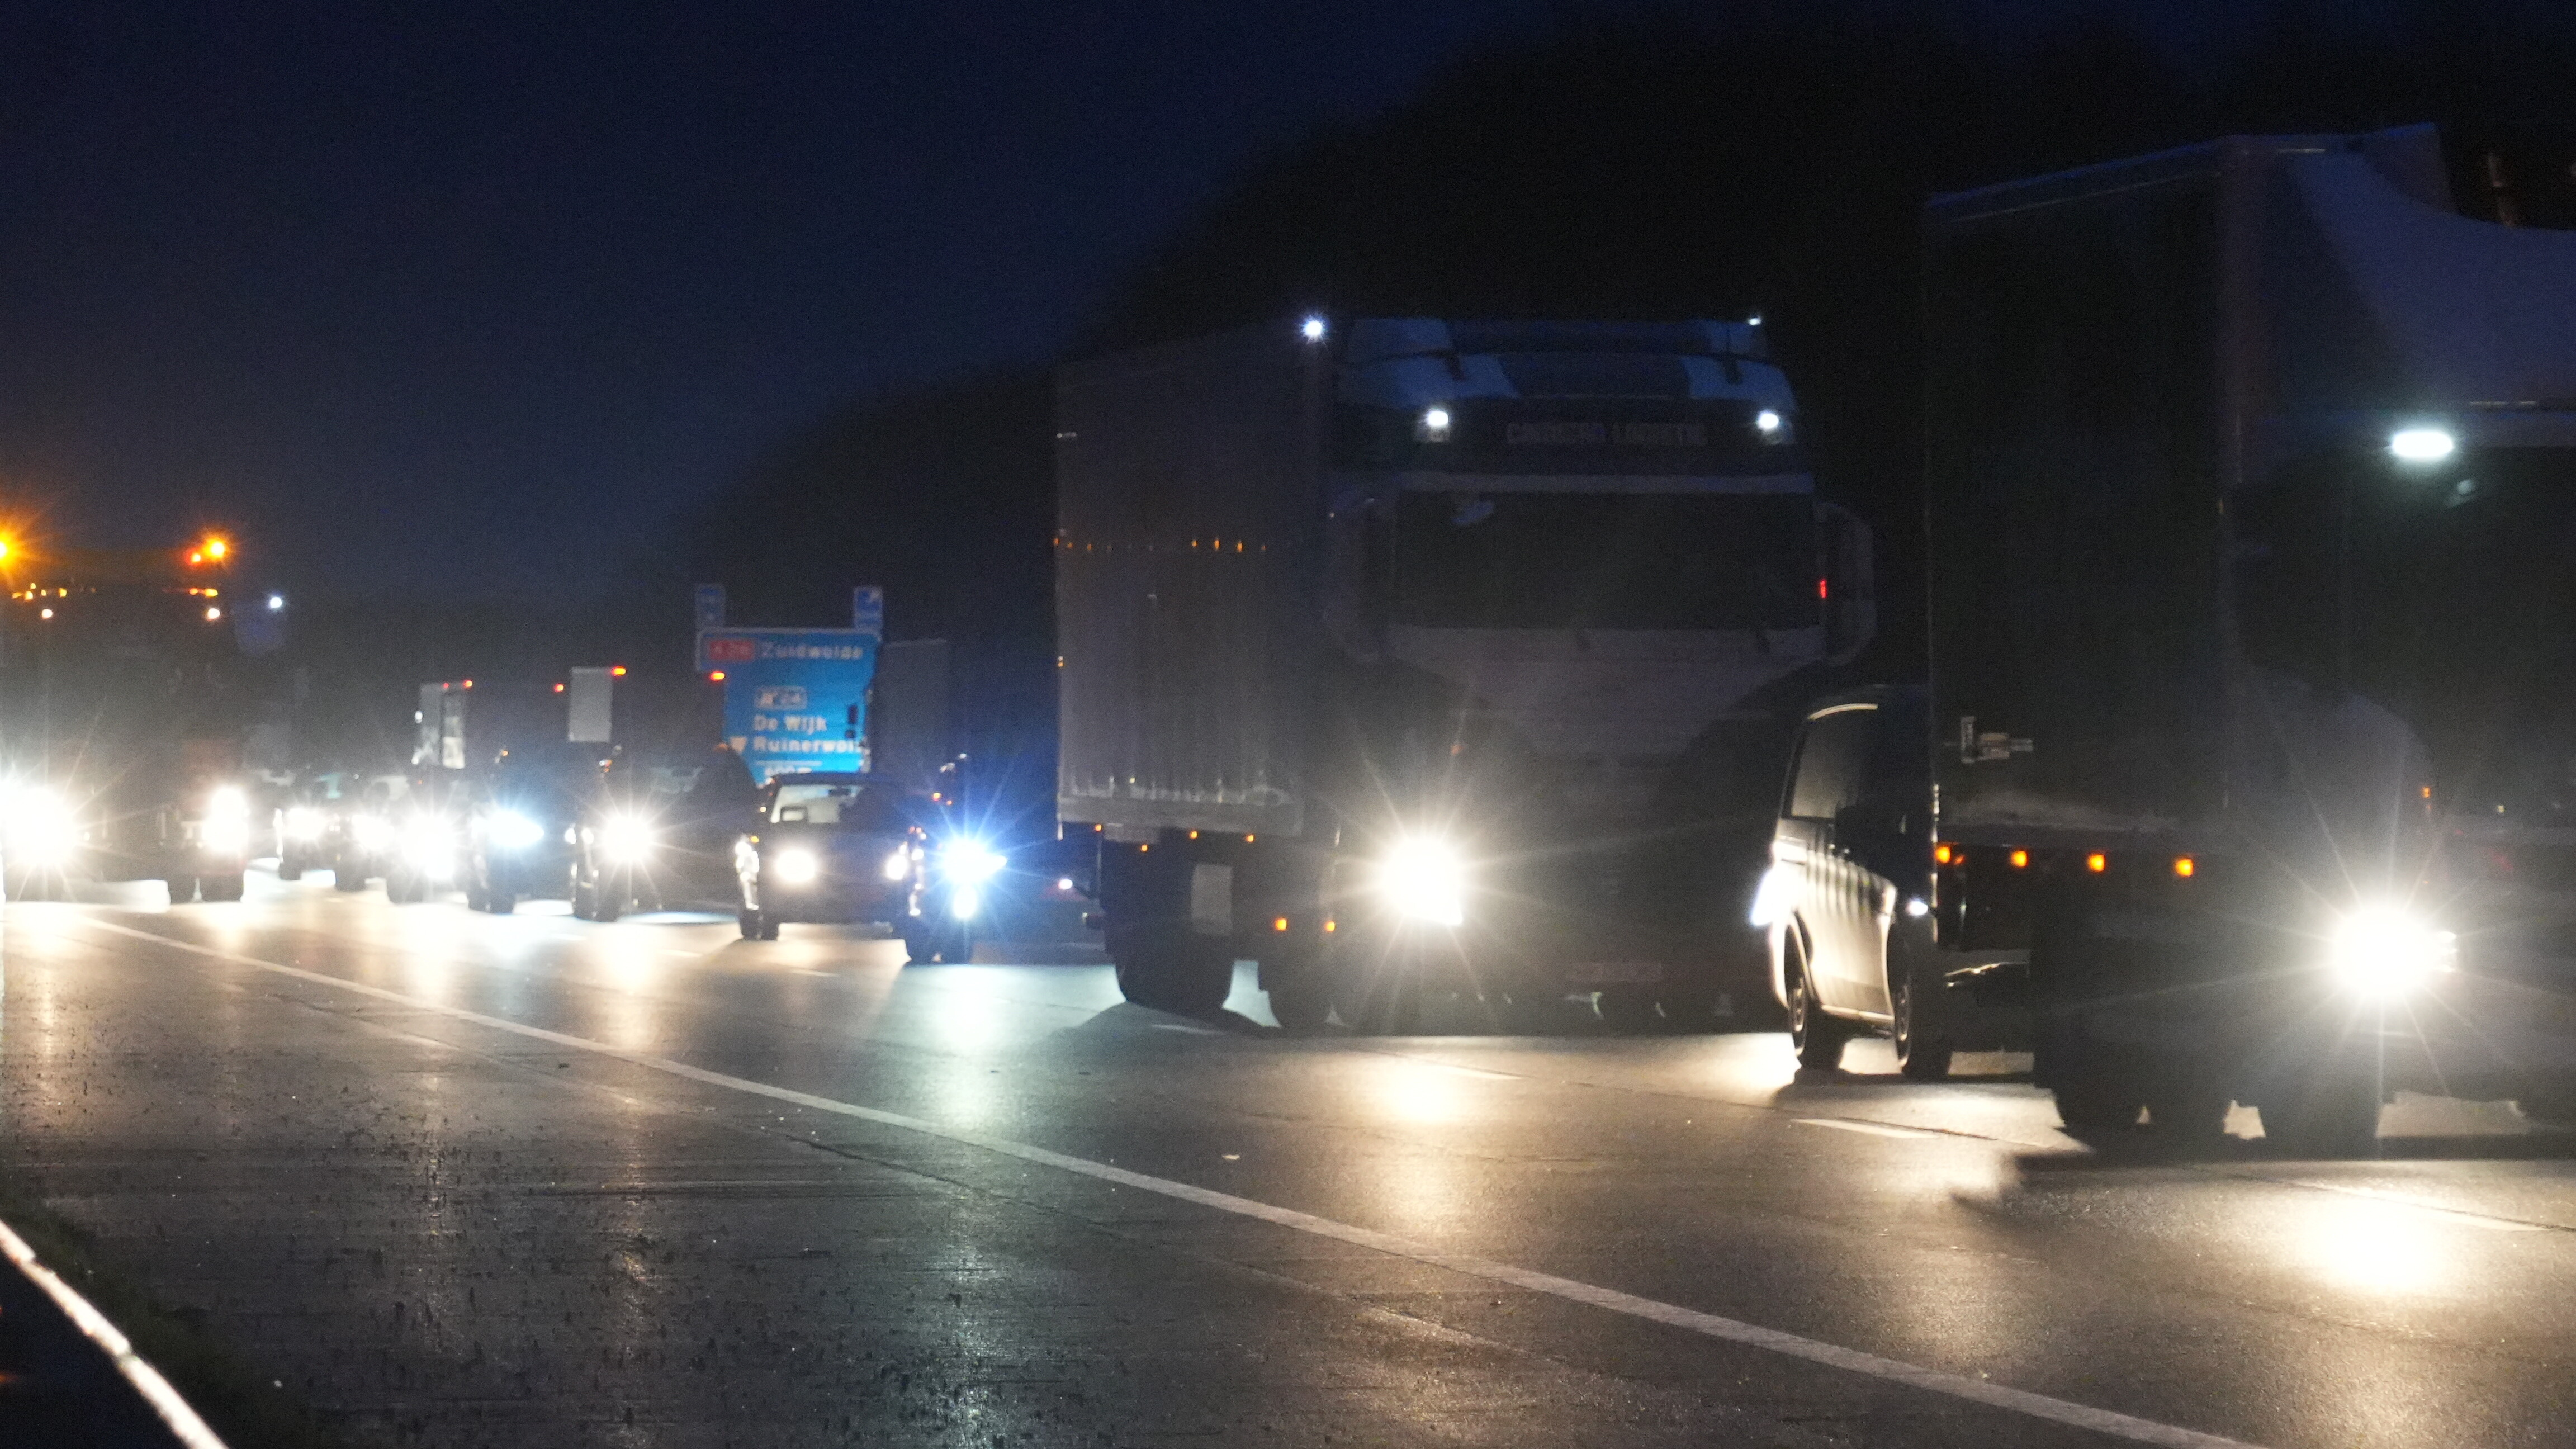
(528, 1181)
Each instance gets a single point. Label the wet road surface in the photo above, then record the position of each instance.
(526, 1180)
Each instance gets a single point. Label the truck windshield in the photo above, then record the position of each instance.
(1605, 561)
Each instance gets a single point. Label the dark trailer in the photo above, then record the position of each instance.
(2251, 483)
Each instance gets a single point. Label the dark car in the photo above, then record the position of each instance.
(848, 849)
(520, 828)
(659, 830)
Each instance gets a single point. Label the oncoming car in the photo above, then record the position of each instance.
(848, 849)
(658, 830)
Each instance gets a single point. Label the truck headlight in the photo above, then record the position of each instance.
(970, 862)
(2385, 952)
(226, 827)
(430, 845)
(39, 826)
(898, 865)
(511, 830)
(964, 902)
(304, 823)
(1424, 880)
(626, 839)
(372, 832)
(795, 867)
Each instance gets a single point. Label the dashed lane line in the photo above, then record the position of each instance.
(1691, 1320)
(1873, 1129)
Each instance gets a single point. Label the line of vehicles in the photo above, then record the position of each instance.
(618, 829)
(1404, 655)
(1522, 659)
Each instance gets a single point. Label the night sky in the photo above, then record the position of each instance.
(472, 297)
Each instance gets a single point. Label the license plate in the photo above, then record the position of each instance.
(1615, 973)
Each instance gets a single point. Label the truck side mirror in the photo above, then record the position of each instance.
(1851, 582)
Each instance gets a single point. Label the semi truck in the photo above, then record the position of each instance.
(1408, 654)
(128, 687)
(2251, 481)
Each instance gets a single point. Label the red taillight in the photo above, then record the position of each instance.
(1822, 590)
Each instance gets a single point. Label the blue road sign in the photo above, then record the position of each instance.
(795, 699)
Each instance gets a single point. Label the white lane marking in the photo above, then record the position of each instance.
(1467, 1071)
(810, 971)
(1192, 1030)
(1874, 1129)
(1710, 1325)
(184, 1424)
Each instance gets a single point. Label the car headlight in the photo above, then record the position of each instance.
(511, 830)
(304, 823)
(625, 839)
(226, 826)
(1424, 880)
(964, 902)
(2383, 952)
(39, 826)
(970, 862)
(899, 864)
(372, 832)
(795, 867)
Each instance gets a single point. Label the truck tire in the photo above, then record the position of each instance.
(1300, 997)
(402, 887)
(608, 898)
(1817, 1038)
(1922, 1053)
(2332, 1116)
(2099, 1092)
(291, 868)
(748, 920)
(183, 889)
(220, 887)
(2185, 1105)
(1381, 1002)
(1626, 1008)
(584, 898)
(921, 943)
(346, 874)
(500, 902)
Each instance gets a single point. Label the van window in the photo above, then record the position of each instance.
(1830, 760)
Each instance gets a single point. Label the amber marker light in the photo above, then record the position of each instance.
(1331, 925)
(2020, 858)
(1943, 855)
(559, 689)
(617, 671)
(2183, 866)
(715, 676)
(2097, 862)
(1280, 924)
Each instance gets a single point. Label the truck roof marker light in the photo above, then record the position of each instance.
(2422, 445)
(1331, 925)
(2097, 862)
(715, 676)
(2184, 865)
(1279, 923)
(617, 671)
(2020, 858)
(559, 689)
(216, 548)
(1943, 854)
(469, 684)
(1312, 329)
(1194, 835)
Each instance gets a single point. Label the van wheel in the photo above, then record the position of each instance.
(1818, 1039)
(1920, 1054)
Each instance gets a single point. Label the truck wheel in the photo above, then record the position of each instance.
(768, 926)
(1382, 1002)
(402, 887)
(747, 919)
(2333, 1116)
(584, 898)
(347, 874)
(608, 898)
(1300, 998)
(1817, 1038)
(1626, 1008)
(220, 887)
(956, 942)
(1204, 980)
(500, 902)
(183, 889)
(1920, 1054)
(290, 868)
(2099, 1093)
(2186, 1106)
(921, 945)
